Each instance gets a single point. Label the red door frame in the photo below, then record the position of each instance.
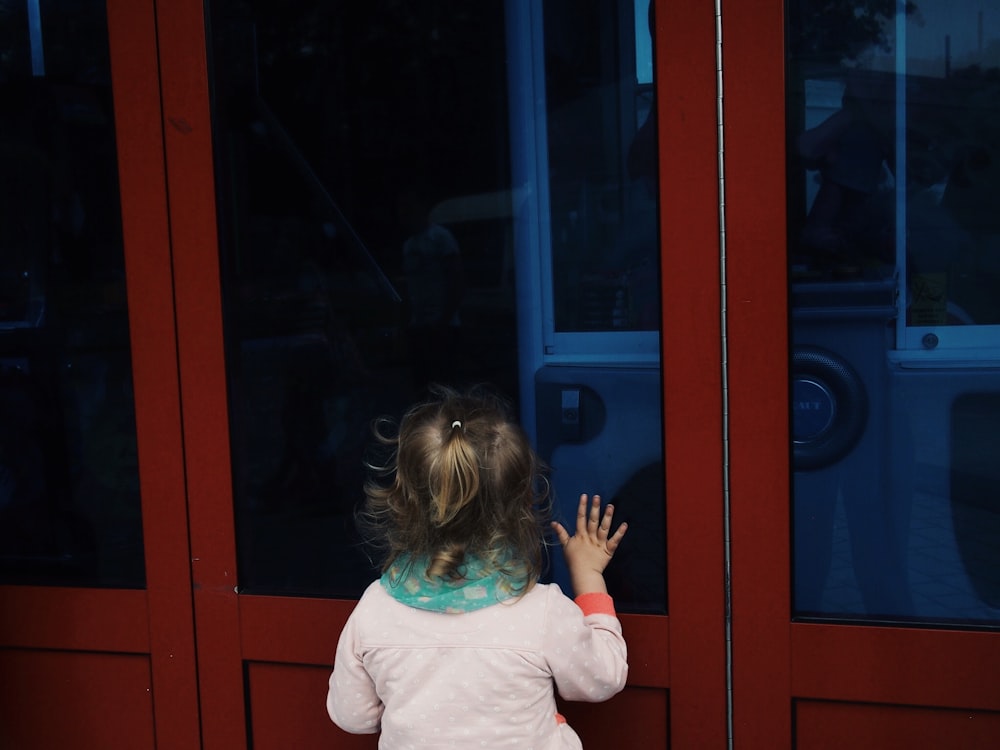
(684, 652)
(155, 622)
(692, 370)
(200, 353)
(190, 547)
(778, 662)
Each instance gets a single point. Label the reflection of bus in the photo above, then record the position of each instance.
(896, 336)
(586, 240)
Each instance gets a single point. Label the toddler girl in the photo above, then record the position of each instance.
(458, 644)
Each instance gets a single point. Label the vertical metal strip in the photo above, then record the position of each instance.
(901, 177)
(724, 356)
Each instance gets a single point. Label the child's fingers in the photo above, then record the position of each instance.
(561, 534)
(590, 521)
(588, 515)
(605, 526)
(582, 515)
(615, 539)
(595, 512)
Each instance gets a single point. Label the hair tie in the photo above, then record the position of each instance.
(456, 423)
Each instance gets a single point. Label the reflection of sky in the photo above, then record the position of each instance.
(957, 20)
(643, 44)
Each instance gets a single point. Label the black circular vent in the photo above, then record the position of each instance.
(829, 408)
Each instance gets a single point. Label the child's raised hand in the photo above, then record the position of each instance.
(589, 551)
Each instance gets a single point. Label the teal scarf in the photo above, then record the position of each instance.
(479, 584)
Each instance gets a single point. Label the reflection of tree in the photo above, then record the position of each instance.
(832, 31)
(971, 105)
(991, 54)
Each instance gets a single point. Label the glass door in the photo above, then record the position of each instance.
(455, 218)
(891, 245)
(888, 634)
(94, 584)
(369, 199)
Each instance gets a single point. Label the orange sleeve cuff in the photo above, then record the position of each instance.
(596, 604)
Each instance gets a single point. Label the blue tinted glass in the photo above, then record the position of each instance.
(601, 148)
(895, 310)
(407, 192)
(69, 487)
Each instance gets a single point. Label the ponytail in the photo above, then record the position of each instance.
(454, 476)
(449, 488)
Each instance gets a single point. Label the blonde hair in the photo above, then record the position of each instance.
(460, 480)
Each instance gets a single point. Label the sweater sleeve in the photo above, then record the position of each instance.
(351, 700)
(584, 647)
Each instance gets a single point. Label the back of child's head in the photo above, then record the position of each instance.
(461, 481)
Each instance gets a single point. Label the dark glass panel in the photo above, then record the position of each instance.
(893, 240)
(385, 224)
(69, 489)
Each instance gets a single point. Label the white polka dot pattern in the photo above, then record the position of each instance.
(479, 679)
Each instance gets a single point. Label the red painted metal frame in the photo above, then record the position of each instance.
(200, 350)
(71, 619)
(777, 660)
(753, 115)
(135, 74)
(914, 667)
(684, 652)
(158, 620)
(692, 367)
(827, 725)
(103, 700)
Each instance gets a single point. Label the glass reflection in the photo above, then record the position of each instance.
(69, 490)
(601, 128)
(385, 224)
(894, 309)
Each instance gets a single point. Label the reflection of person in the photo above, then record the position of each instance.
(458, 640)
(433, 270)
(640, 237)
(850, 150)
(849, 158)
(316, 358)
(639, 240)
(641, 162)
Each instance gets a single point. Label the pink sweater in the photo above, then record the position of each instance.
(480, 679)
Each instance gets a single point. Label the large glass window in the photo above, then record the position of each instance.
(434, 192)
(895, 308)
(69, 487)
